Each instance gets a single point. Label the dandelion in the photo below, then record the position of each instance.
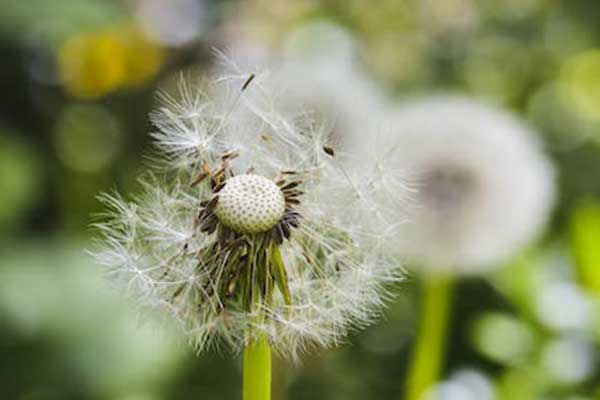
(321, 72)
(333, 94)
(485, 189)
(249, 232)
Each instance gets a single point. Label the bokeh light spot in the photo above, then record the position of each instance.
(581, 76)
(502, 338)
(172, 22)
(87, 137)
(569, 360)
(19, 179)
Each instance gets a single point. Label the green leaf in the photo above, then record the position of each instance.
(585, 240)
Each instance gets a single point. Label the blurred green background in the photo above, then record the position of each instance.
(77, 83)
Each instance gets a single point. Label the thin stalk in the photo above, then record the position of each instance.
(257, 370)
(430, 349)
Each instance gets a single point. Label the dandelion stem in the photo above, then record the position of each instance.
(429, 351)
(257, 370)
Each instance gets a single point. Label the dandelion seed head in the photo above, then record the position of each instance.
(251, 224)
(250, 204)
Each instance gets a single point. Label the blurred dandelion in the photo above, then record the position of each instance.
(250, 232)
(323, 77)
(323, 82)
(485, 189)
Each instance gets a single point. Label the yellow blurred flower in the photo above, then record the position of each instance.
(93, 65)
(143, 57)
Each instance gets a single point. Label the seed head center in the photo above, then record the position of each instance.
(250, 204)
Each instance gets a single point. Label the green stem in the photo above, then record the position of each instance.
(257, 370)
(430, 349)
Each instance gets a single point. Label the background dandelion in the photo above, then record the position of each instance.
(485, 190)
(318, 77)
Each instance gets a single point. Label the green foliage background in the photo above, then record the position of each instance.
(66, 334)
